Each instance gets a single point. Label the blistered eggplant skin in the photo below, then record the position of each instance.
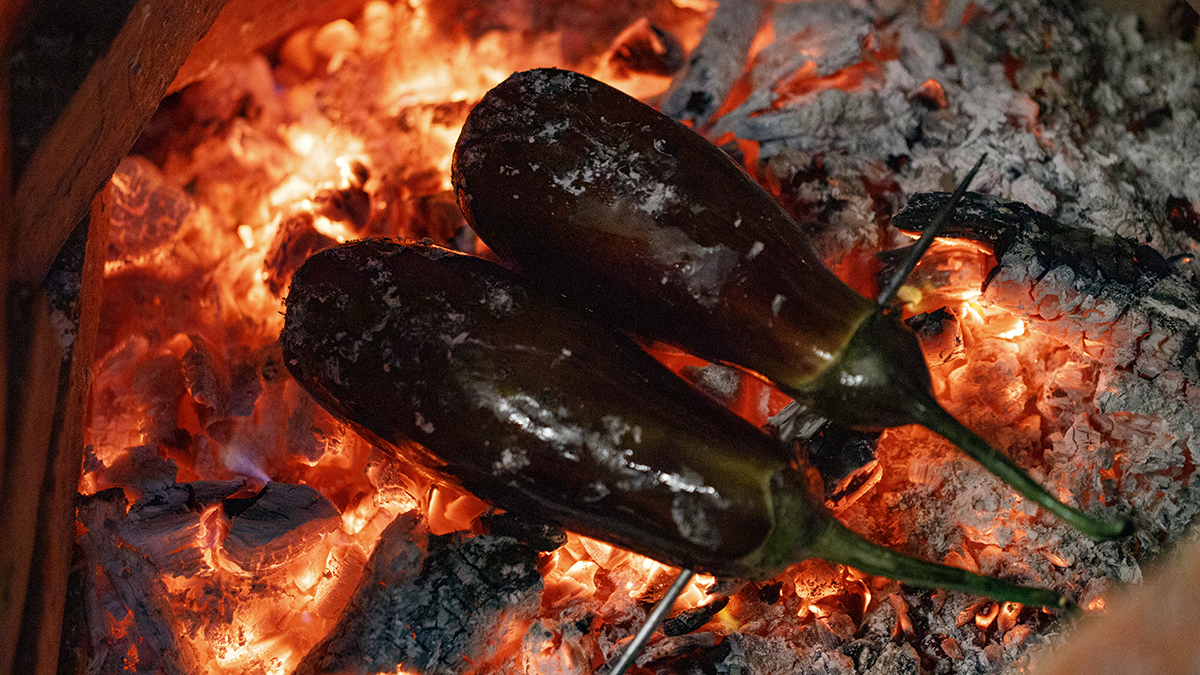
(588, 189)
(535, 408)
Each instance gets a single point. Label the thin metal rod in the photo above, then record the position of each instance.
(918, 249)
(657, 615)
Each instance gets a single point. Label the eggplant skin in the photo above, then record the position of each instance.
(590, 192)
(529, 404)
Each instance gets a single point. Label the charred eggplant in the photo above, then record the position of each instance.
(455, 362)
(591, 193)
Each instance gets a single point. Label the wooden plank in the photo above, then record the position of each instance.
(10, 13)
(245, 26)
(32, 395)
(47, 588)
(99, 125)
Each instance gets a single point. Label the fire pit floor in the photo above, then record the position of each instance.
(229, 525)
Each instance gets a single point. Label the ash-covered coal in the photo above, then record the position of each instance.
(279, 519)
(437, 605)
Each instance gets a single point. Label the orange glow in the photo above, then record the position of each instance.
(903, 622)
(806, 81)
(988, 614)
(196, 304)
(1010, 612)
(451, 510)
(931, 90)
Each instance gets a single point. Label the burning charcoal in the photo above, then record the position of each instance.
(437, 217)
(700, 88)
(142, 468)
(147, 211)
(646, 48)
(280, 518)
(128, 611)
(1183, 216)
(397, 559)
(432, 604)
(244, 384)
(692, 619)
(411, 204)
(939, 333)
(296, 241)
(837, 452)
(562, 647)
(347, 205)
(164, 525)
(794, 422)
(930, 324)
(540, 536)
(896, 659)
(159, 384)
(812, 40)
(206, 381)
(833, 203)
(661, 652)
(301, 423)
(457, 611)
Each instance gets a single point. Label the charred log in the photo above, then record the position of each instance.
(432, 604)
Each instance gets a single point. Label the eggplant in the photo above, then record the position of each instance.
(457, 364)
(590, 193)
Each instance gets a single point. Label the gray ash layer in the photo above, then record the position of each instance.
(1082, 117)
(436, 605)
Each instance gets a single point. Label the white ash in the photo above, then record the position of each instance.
(283, 518)
(165, 525)
(827, 33)
(434, 605)
(699, 89)
(127, 604)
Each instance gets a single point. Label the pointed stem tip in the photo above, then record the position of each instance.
(931, 415)
(838, 544)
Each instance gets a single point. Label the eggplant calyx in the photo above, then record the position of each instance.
(871, 385)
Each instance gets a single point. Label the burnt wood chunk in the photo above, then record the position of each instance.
(165, 525)
(700, 88)
(691, 620)
(1002, 223)
(127, 58)
(434, 605)
(123, 579)
(281, 518)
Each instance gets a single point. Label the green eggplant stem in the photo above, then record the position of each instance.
(926, 412)
(836, 543)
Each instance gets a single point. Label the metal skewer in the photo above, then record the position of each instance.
(657, 615)
(918, 249)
